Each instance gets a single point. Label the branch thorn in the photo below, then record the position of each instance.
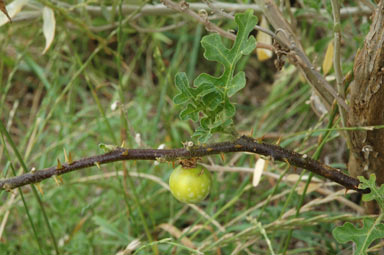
(68, 157)
(286, 161)
(260, 139)
(222, 157)
(59, 165)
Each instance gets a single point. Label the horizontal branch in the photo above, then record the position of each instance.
(160, 9)
(242, 144)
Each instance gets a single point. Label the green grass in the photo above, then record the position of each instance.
(82, 93)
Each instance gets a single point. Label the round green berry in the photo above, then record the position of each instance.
(190, 185)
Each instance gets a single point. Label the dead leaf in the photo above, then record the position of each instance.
(10, 10)
(264, 54)
(260, 166)
(328, 59)
(49, 26)
(3, 9)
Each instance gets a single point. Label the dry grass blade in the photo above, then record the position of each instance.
(315, 202)
(175, 232)
(7, 212)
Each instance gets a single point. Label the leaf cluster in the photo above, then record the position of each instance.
(208, 101)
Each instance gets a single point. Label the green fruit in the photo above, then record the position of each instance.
(190, 185)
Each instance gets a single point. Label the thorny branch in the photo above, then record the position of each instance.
(297, 56)
(242, 144)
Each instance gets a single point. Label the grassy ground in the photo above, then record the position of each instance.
(101, 84)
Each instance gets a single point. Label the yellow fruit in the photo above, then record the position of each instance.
(190, 185)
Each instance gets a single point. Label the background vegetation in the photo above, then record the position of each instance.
(108, 77)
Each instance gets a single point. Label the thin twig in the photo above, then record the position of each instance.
(202, 18)
(337, 65)
(222, 13)
(183, 7)
(369, 4)
(242, 144)
(157, 30)
(159, 9)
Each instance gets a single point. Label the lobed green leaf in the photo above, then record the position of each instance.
(377, 193)
(189, 113)
(210, 95)
(371, 230)
(362, 237)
